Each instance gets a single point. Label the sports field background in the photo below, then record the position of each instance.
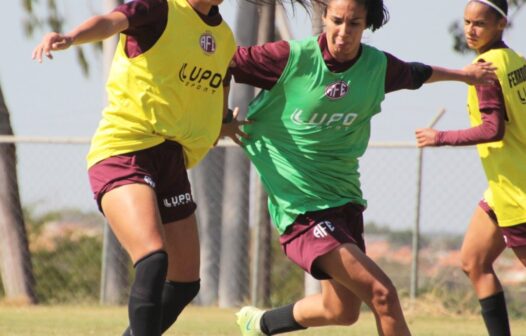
(110, 321)
(65, 238)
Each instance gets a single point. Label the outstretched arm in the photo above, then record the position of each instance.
(96, 28)
(491, 129)
(477, 73)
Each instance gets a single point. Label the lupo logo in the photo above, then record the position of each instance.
(336, 90)
(207, 43)
(324, 120)
(200, 78)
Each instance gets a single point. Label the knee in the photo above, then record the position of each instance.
(473, 266)
(144, 306)
(467, 265)
(150, 274)
(384, 297)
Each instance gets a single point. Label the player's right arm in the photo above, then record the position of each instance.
(96, 28)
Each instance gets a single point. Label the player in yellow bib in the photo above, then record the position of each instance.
(497, 113)
(164, 112)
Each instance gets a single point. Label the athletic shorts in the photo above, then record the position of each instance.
(514, 236)
(162, 167)
(316, 233)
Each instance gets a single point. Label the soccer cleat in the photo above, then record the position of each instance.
(248, 319)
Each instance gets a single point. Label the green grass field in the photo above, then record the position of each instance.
(100, 321)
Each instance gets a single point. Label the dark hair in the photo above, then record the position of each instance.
(377, 14)
(502, 4)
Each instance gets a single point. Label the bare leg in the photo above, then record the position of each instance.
(350, 267)
(133, 215)
(182, 245)
(336, 305)
(483, 243)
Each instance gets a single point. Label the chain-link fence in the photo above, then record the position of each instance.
(241, 260)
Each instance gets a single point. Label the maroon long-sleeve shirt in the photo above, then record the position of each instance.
(493, 113)
(262, 66)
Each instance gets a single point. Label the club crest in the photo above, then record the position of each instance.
(336, 90)
(207, 43)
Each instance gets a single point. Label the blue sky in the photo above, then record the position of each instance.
(65, 103)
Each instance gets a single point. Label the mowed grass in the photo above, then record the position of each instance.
(100, 321)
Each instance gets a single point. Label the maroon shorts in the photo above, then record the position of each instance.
(316, 233)
(514, 236)
(161, 167)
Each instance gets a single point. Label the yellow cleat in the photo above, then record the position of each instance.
(248, 319)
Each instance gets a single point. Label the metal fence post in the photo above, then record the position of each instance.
(413, 288)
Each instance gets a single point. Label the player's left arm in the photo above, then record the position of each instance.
(412, 75)
(492, 128)
(477, 73)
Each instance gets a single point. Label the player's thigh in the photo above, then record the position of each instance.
(340, 301)
(182, 246)
(133, 215)
(483, 241)
(354, 270)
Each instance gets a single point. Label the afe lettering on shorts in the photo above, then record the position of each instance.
(177, 200)
(321, 229)
(207, 43)
(200, 78)
(336, 90)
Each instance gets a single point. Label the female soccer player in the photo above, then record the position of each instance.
(166, 96)
(310, 125)
(497, 113)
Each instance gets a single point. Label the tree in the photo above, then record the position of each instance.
(457, 31)
(233, 276)
(114, 282)
(15, 259)
(53, 20)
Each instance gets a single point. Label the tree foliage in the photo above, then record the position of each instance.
(41, 17)
(457, 28)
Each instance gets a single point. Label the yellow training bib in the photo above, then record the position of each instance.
(174, 91)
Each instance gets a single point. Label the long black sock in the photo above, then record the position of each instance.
(144, 307)
(495, 315)
(279, 320)
(176, 296)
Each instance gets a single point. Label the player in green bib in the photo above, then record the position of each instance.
(497, 113)
(308, 128)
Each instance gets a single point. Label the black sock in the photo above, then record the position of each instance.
(176, 296)
(279, 320)
(495, 315)
(144, 307)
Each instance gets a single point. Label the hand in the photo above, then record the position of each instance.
(232, 129)
(480, 73)
(425, 137)
(51, 42)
